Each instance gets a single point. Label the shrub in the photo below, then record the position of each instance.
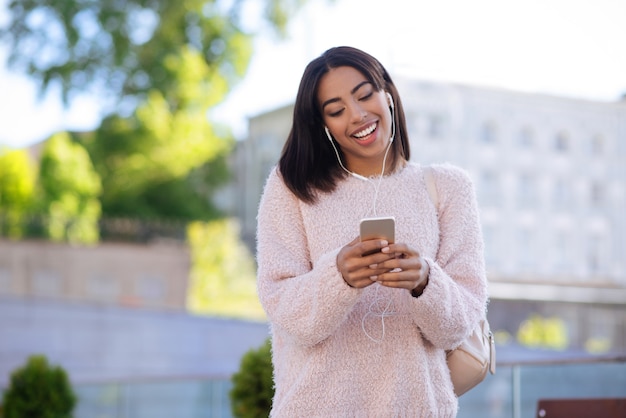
(38, 390)
(253, 385)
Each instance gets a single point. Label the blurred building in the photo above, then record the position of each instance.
(550, 175)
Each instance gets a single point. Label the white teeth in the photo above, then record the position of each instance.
(365, 132)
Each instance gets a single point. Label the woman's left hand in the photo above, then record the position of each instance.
(408, 270)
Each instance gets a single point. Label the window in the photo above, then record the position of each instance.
(489, 133)
(562, 194)
(597, 145)
(525, 248)
(527, 191)
(562, 142)
(561, 251)
(596, 193)
(489, 188)
(525, 138)
(594, 253)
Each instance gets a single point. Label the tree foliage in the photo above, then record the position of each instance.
(17, 185)
(38, 390)
(253, 385)
(70, 189)
(121, 46)
(223, 274)
(150, 161)
(160, 66)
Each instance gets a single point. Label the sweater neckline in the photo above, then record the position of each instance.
(396, 172)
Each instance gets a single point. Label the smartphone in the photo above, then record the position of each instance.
(378, 228)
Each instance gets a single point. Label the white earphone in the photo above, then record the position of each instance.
(390, 100)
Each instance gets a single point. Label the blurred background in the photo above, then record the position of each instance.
(135, 139)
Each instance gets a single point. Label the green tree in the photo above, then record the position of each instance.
(38, 390)
(17, 183)
(121, 47)
(69, 191)
(223, 274)
(160, 65)
(253, 385)
(150, 162)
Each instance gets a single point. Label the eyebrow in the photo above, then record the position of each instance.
(354, 90)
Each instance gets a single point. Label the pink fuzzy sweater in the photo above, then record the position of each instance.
(375, 352)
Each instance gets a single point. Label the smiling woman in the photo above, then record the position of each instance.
(360, 327)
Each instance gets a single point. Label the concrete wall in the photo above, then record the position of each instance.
(153, 275)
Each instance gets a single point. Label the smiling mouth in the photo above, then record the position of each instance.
(365, 132)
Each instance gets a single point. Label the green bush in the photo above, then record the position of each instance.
(253, 385)
(38, 390)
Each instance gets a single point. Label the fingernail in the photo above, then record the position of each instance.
(373, 266)
(373, 278)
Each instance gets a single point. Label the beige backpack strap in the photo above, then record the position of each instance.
(429, 179)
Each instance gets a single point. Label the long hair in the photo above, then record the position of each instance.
(308, 163)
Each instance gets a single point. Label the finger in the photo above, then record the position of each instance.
(404, 280)
(404, 264)
(401, 251)
(374, 246)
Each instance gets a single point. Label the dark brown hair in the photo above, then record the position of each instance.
(308, 163)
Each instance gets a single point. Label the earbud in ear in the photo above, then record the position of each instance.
(330, 138)
(390, 99)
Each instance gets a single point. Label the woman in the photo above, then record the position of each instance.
(357, 335)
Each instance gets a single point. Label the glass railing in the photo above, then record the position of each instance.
(513, 392)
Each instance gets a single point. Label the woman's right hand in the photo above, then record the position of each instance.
(355, 267)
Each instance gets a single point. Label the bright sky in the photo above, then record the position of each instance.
(573, 48)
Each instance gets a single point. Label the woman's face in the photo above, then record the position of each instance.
(358, 117)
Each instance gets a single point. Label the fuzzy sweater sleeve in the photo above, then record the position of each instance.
(456, 293)
(306, 299)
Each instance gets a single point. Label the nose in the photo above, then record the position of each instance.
(357, 113)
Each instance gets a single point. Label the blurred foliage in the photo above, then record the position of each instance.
(166, 159)
(253, 385)
(70, 189)
(17, 185)
(539, 332)
(158, 66)
(122, 47)
(38, 390)
(223, 272)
